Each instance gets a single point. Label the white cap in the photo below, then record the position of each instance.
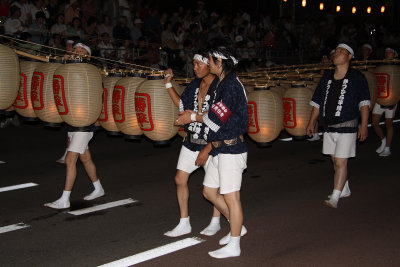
(87, 48)
(367, 46)
(348, 48)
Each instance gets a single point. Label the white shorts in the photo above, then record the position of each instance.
(389, 113)
(224, 171)
(187, 159)
(79, 141)
(341, 145)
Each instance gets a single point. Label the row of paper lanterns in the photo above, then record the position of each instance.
(135, 104)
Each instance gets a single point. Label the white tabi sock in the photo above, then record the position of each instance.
(97, 192)
(382, 146)
(62, 202)
(213, 227)
(182, 228)
(333, 201)
(232, 249)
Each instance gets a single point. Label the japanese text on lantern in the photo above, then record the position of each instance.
(143, 111)
(37, 90)
(22, 101)
(289, 112)
(383, 85)
(104, 111)
(253, 122)
(59, 94)
(118, 99)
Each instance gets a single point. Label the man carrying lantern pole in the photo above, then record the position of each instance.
(341, 96)
(197, 96)
(228, 120)
(384, 149)
(78, 140)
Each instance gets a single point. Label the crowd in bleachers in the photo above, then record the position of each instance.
(139, 32)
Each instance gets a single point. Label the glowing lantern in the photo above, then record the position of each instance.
(106, 118)
(9, 77)
(303, 3)
(354, 10)
(265, 115)
(338, 8)
(78, 90)
(297, 110)
(42, 94)
(123, 105)
(321, 6)
(388, 76)
(23, 103)
(372, 84)
(155, 110)
(383, 9)
(369, 10)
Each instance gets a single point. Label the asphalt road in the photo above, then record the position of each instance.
(282, 194)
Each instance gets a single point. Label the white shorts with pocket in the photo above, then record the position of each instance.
(79, 141)
(341, 145)
(187, 159)
(389, 113)
(224, 171)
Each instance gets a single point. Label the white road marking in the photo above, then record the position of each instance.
(1, 162)
(12, 227)
(15, 187)
(155, 252)
(103, 206)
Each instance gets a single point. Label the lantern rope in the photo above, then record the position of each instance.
(101, 59)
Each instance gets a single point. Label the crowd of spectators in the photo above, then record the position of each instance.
(139, 32)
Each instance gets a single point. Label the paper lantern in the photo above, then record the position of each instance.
(155, 110)
(42, 95)
(372, 84)
(9, 77)
(78, 91)
(265, 115)
(106, 118)
(297, 110)
(388, 78)
(23, 103)
(123, 105)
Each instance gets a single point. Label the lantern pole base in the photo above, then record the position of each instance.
(53, 124)
(300, 138)
(161, 143)
(30, 119)
(114, 133)
(264, 144)
(132, 137)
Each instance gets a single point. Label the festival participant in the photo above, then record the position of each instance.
(341, 95)
(78, 148)
(227, 121)
(384, 149)
(198, 96)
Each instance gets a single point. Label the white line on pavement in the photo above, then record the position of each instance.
(15, 187)
(103, 206)
(12, 227)
(1, 162)
(155, 252)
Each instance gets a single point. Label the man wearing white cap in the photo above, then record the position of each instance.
(366, 51)
(384, 149)
(341, 96)
(78, 140)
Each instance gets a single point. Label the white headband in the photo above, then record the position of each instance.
(201, 58)
(220, 55)
(84, 47)
(367, 46)
(348, 48)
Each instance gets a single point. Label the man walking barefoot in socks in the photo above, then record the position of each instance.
(78, 148)
(341, 96)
